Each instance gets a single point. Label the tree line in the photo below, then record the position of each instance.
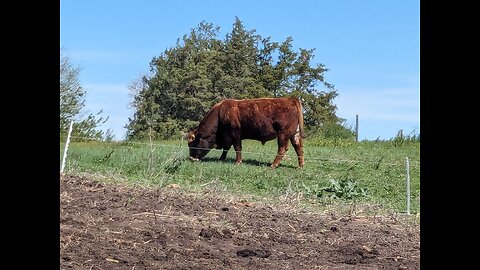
(186, 80)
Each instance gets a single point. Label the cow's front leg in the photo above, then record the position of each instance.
(282, 149)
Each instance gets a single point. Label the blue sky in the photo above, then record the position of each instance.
(371, 48)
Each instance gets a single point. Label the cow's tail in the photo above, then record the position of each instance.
(300, 118)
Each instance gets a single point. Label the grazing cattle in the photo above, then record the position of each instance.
(262, 119)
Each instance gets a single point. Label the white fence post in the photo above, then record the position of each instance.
(66, 148)
(408, 185)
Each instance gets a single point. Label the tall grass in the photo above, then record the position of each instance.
(369, 172)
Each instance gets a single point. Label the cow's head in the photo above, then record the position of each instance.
(199, 146)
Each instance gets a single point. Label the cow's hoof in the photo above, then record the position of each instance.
(194, 159)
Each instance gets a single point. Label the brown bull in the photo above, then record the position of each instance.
(262, 119)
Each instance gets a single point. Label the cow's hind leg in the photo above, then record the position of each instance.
(285, 156)
(282, 149)
(297, 143)
(238, 152)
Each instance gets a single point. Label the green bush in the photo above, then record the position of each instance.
(343, 189)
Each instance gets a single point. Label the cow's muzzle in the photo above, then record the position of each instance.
(193, 159)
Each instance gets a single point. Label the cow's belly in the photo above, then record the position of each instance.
(259, 135)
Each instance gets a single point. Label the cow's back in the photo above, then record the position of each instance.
(260, 119)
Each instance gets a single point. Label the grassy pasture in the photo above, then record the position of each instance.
(369, 172)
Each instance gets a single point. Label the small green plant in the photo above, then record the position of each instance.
(107, 157)
(377, 164)
(401, 139)
(172, 164)
(342, 189)
(312, 190)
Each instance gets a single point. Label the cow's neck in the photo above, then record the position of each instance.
(208, 126)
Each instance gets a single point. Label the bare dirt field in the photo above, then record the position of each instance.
(114, 226)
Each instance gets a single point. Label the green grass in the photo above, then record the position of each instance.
(336, 171)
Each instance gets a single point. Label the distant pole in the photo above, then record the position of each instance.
(356, 127)
(408, 185)
(66, 148)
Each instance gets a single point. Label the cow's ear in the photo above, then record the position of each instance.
(185, 135)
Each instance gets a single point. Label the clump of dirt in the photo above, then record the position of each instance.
(108, 226)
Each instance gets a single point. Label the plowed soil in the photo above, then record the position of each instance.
(114, 226)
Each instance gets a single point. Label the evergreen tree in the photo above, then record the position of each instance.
(241, 64)
(266, 72)
(183, 86)
(188, 79)
(304, 80)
